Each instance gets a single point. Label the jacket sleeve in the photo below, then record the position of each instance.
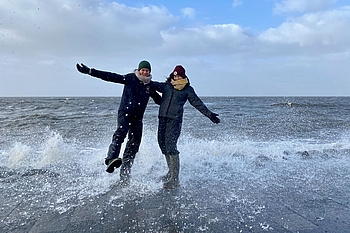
(196, 102)
(158, 86)
(109, 76)
(156, 97)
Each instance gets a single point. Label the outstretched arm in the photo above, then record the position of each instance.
(104, 75)
(196, 102)
(158, 86)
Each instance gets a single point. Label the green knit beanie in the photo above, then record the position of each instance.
(144, 64)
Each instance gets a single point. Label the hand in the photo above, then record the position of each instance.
(214, 118)
(83, 68)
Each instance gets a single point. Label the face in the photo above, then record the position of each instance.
(145, 72)
(177, 77)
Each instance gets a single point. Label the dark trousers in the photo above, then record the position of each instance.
(169, 131)
(131, 126)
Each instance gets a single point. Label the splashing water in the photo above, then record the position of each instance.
(17, 154)
(55, 168)
(64, 172)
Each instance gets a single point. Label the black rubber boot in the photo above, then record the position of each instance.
(174, 172)
(113, 163)
(166, 177)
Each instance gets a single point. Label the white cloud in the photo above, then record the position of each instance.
(302, 5)
(330, 29)
(206, 40)
(40, 42)
(236, 3)
(68, 27)
(188, 12)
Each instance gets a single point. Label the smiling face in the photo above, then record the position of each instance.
(145, 72)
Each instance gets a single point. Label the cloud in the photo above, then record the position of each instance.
(70, 27)
(188, 12)
(236, 3)
(329, 30)
(206, 40)
(302, 6)
(40, 42)
(109, 29)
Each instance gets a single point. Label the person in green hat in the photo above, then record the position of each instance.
(136, 93)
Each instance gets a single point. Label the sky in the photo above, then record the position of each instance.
(228, 48)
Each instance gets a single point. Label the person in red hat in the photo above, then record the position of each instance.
(176, 91)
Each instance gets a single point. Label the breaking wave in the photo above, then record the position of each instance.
(59, 173)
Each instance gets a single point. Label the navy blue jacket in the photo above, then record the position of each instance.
(173, 101)
(135, 93)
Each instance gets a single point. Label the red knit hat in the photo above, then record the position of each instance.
(179, 70)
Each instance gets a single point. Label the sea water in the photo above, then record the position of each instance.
(52, 150)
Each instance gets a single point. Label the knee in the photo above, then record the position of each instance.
(119, 135)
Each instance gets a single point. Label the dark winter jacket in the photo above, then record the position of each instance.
(174, 100)
(135, 93)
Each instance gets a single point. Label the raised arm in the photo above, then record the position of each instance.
(104, 75)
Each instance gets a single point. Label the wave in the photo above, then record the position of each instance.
(319, 105)
(55, 160)
(60, 173)
(53, 149)
(286, 104)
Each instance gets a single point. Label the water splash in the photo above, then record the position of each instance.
(17, 155)
(54, 151)
(60, 173)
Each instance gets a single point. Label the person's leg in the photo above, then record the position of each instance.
(132, 147)
(167, 176)
(112, 160)
(171, 135)
(173, 131)
(162, 126)
(173, 181)
(161, 134)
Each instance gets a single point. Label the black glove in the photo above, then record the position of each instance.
(214, 118)
(83, 68)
